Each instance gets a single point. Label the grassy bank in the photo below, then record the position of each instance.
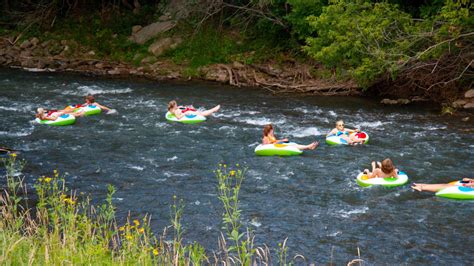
(62, 227)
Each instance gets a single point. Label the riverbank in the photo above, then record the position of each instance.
(67, 56)
(285, 76)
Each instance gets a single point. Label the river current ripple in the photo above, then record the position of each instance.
(311, 199)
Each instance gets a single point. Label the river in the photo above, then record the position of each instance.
(311, 199)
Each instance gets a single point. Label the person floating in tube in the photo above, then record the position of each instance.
(269, 138)
(180, 111)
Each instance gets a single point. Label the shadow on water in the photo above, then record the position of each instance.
(311, 199)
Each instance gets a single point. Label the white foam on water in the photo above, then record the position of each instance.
(310, 111)
(335, 233)
(331, 113)
(376, 124)
(161, 179)
(136, 167)
(9, 108)
(347, 214)
(261, 121)
(436, 127)
(94, 89)
(253, 144)
(250, 112)
(197, 202)
(226, 115)
(255, 222)
(15, 134)
(170, 174)
(312, 131)
(174, 158)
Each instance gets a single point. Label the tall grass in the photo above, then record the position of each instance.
(63, 227)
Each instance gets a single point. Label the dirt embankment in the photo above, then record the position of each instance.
(66, 56)
(287, 77)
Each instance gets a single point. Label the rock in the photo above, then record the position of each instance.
(403, 101)
(136, 28)
(469, 105)
(151, 31)
(469, 94)
(34, 41)
(148, 60)
(99, 65)
(91, 53)
(236, 64)
(418, 99)
(388, 101)
(41, 64)
(114, 72)
(161, 45)
(25, 44)
(165, 17)
(465, 119)
(25, 54)
(45, 43)
(28, 63)
(216, 74)
(458, 103)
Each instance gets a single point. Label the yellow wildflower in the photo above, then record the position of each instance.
(47, 179)
(122, 228)
(13, 155)
(136, 222)
(128, 237)
(232, 173)
(155, 252)
(141, 230)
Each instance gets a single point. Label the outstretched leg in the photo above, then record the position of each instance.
(311, 146)
(430, 187)
(210, 111)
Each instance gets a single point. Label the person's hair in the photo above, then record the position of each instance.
(267, 129)
(90, 98)
(40, 113)
(339, 121)
(171, 105)
(387, 166)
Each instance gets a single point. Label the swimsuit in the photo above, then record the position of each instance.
(342, 133)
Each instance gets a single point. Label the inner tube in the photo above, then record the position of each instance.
(363, 180)
(338, 140)
(63, 120)
(189, 118)
(277, 149)
(89, 110)
(456, 192)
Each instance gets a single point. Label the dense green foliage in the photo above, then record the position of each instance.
(370, 39)
(366, 39)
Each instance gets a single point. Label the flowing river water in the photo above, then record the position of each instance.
(311, 199)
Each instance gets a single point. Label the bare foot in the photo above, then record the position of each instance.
(313, 145)
(417, 187)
